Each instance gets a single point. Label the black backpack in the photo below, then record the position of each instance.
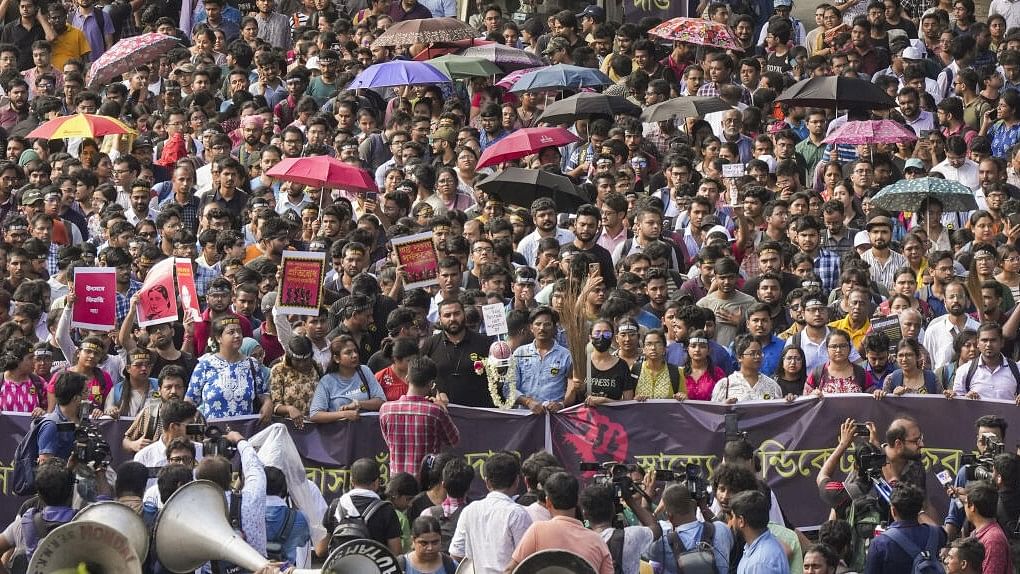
(26, 460)
(347, 528)
(697, 560)
(615, 545)
(448, 524)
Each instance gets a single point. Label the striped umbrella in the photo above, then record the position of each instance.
(80, 126)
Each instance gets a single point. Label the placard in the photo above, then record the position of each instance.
(156, 301)
(304, 273)
(494, 316)
(889, 325)
(417, 255)
(733, 170)
(95, 298)
(186, 287)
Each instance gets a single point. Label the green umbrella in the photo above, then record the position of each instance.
(456, 66)
(907, 195)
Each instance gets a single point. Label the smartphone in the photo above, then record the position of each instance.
(1014, 219)
(372, 196)
(994, 115)
(861, 429)
(594, 269)
(926, 133)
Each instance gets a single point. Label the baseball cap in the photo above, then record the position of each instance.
(913, 163)
(145, 140)
(187, 68)
(31, 196)
(710, 221)
(719, 229)
(912, 53)
(593, 11)
(861, 239)
(556, 43)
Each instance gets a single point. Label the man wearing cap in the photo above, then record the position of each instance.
(31, 203)
(444, 142)
(883, 260)
(591, 16)
(558, 51)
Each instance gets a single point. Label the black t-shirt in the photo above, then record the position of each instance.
(419, 503)
(384, 524)
(777, 63)
(456, 363)
(611, 382)
(185, 361)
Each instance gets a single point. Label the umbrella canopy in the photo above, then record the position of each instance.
(425, 31)
(323, 171)
(464, 66)
(507, 58)
(837, 91)
(510, 80)
(684, 107)
(442, 48)
(524, 142)
(871, 132)
(398, 73)
(128, 54)
(907, 195)
(586, 105)
(561, 77)
(522, 187)
(697, 31)
(80, 126)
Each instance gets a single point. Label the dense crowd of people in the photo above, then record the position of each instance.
(726, 257)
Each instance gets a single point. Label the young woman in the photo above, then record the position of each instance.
(129, 395)
(905, 283)
(608, 377)
(964, 350)
(1009, 274)
(791, 372)
(700, 375)
(448, 191)
(627, 347)
(430, 478)
(426, 556)
(292, 381)
(22, 391)
(838, 374)
(910, 377)
(1004, 130)
(91, 353)
(393, 378)
(709, 152)
(747, 383)
(657, 379)
(347, 388)
(226, 383)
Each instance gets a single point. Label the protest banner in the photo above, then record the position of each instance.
(156, 301)
(304, 273)
(186, 287)
(95, 298)
(494, 317)
(417, 255)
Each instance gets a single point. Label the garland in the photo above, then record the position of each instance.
(497, 380)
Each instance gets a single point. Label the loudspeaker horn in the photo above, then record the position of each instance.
(101, 548)
(466, 566)
(554, 562)
(192, 529)
(121, 518)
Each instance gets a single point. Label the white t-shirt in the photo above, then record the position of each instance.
(635, 540)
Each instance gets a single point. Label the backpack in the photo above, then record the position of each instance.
(274, 546)
(26, 460)
(973, 369)
(926, 560)
(449, 566)
(347, 528)
(448, 524)
(864, 515)
(615, 545)
(819, 374)
(697, 560)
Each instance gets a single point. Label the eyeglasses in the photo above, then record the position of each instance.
(182, 459)
(753, 354)
(918, 440)
(839, 347)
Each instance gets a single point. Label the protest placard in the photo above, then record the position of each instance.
(95, 293)
(417, 255)
(494, 318)
(186, 287)
(304, 273)
(156, 301)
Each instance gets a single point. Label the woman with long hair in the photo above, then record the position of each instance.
(700, 375)
(1004, 130)
(608, 377)
(90, 354)
(226, 383)
(747, 382)
(965, 350)
(448, 191)
(905, 283)
(347, 388)
(838, 374)
(627, 341)
(709, 152)
(853, 212)
(657, 379)
(292, 381)
(393, 378)
(430, 481)
(1009, 273)
(911, 377)
(134, 389)
(791, 373)
(21, 391)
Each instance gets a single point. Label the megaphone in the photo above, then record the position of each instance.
(554, 562)
(101, 548)
(465, 567)
(122, 519)
(360, 556)
(192, 529)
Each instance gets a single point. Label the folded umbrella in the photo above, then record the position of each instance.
(907, 195)
(871, 132)
(398, 73)
(524, 142)
(561, 77)
(684, 107)
(522, 187)
(587, 105)
(837, 91)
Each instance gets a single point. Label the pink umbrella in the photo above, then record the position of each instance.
(524, 142)
(128, 54)
(510, 79)
(871, 132)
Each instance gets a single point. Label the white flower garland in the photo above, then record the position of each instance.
(497, 380)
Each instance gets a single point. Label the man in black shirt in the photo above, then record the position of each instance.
(455, 352)
(383, 524)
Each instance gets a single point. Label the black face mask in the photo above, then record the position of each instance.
(601, 344)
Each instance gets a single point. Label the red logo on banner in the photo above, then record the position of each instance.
(604, 438)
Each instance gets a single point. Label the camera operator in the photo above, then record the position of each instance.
(626, 544)
(177, 415)
(988, 424)
(251, 497)
(683, 526)
(53, 442)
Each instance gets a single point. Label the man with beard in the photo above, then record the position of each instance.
(732, 124)
(587, 227)
(543, 212)
(250, 149)
(729, 305)
(984, 377)
(147, 427)
(938, 337)
(656, 291)
(274, 238)
(942, 265)
(903, 444)
(17, 109)
(826, 263)
(455, 351)
(228, 193)
(770, 292)
(883, 261)
(759, 325)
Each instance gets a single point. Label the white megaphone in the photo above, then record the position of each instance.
(100, 548)
(121, 518)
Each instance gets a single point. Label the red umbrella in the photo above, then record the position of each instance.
(524, 142)
(323, 171)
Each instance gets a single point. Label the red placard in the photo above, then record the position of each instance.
(157, 303)
(304, 273)
(186, 287)
(95, 298)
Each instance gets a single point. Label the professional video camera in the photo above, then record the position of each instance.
(617, 476)
(214, 443)
(696, 483)
(981, 467)
(90, 447)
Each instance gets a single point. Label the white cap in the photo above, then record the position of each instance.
(770, 160)
(913, 53)
(862, 238)
(719, 229)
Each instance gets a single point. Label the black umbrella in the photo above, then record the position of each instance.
(684, 107)
(839, 92)
(521, 187)
(586, 105)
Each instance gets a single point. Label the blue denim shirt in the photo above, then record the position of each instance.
(542, 378)
(52, 441)
(764, 556)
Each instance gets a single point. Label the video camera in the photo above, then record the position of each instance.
(214, 442)
(981, 467)
(617, 476)
(696, 483)
(90, 447)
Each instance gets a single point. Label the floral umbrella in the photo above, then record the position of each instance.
(871, 132)
(907, 195)
(128, 54)
(697, 31)
(425, 31)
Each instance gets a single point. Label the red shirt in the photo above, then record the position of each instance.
(204, 327)
(414, 427)
(997, 558)
(391, 383)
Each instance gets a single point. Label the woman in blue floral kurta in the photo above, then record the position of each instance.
(225, 383)
(1004, 133)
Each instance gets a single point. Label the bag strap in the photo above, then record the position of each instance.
(615, 545)
(1015, 372)
(970, 374)
(402, 562)
(675, 544)
(235, 509)
(288, 525)
(707, 532)
(372, 508)
(364, 381)
(900, 539)
(449, 566)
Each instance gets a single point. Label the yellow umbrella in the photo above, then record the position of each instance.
(80, 126)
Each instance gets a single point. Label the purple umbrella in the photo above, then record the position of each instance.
(507, 58)
(398, 73)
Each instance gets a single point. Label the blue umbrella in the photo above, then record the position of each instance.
(561, 77)
(398, 73)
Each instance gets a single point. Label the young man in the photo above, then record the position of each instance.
(886, 553)
(414, 425)
(729, 305)
(762, 550)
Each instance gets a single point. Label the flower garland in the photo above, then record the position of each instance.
(497, 380)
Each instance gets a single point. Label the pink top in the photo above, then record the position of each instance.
(22, 396)
(95, 390)
(701, 389)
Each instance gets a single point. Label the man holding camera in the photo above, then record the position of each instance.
(598, 506)
(990, 430)
(683, 531)
(53, 442)
(176, 415)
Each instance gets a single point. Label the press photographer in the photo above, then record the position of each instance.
(683, 540)
(599, 507)
(991, 432)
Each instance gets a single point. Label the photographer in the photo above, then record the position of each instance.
(626, 544)
(252, 495)
(986, 425)
(68, 390)
(177, 415)
(683, 529)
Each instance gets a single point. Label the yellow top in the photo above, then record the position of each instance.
(70, 44)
